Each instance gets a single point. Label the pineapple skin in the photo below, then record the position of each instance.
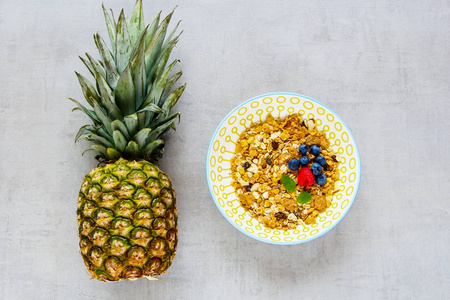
(127, 221)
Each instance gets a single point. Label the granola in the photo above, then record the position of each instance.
(261, 159)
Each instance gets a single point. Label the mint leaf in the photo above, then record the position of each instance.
(288, 183)
(304, 197)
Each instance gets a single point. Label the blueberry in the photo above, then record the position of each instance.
(293, 164)
(304, 160)
(321, 160)
(303, 149)
(315, 150)
(321, 179)
(316, 169)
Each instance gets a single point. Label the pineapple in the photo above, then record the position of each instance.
(126, 210)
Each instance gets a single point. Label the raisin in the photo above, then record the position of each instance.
(275, 145)
(280, 215)
(268, 161)
(246, 165)
(248, 188)
(334, 157)
(326, 167)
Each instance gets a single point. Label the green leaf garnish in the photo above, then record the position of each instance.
(304, 197)
(288, 183)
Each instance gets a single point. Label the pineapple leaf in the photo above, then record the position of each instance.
(160, 69)
(123, 44)
(132, 124)
(88, 89)
(150, 148)
(125, 93)
(132, 149)
(88, 65)
(156, 92)
(111, 29)
(172, 80)
(162, 129)
(118, 125)
(112, 76)
(97, 139)
(141, 119)
(142, 137)
(137, 66)
(97, 131)
(112, 154)
(102, 116)
(137, 45)
(160, 64)
(90, 113)
(113, 18)
(107, 98)
(96, 147)
(83, 131)
(169, 38)
(102, 132)
(152, 108)
(120, 142)
(163, 120)
(155, 44)
(172, 99)
(152, 29)
(136, 22)
(160, 85)
(96, 67)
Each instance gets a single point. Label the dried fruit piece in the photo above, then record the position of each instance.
(280, 215)
(274, 145)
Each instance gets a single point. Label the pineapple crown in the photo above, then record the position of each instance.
(134, 88)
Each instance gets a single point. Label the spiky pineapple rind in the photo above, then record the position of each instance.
(127, 221)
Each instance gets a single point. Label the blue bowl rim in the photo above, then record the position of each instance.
(240, 228)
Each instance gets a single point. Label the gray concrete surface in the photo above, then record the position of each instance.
(383, 66)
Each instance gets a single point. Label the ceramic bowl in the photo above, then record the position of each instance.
(222, 147)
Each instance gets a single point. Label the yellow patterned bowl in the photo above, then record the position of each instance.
(222, 147)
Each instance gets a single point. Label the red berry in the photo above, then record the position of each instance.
(305, 177)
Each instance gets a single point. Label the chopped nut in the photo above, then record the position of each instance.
(274, 135)
(253, 168)
(255, 187)
(310, 124)
(292, 217)
(274, 145)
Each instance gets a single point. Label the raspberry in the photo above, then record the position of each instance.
(305, 177)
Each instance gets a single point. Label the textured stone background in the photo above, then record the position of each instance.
(383, 66)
